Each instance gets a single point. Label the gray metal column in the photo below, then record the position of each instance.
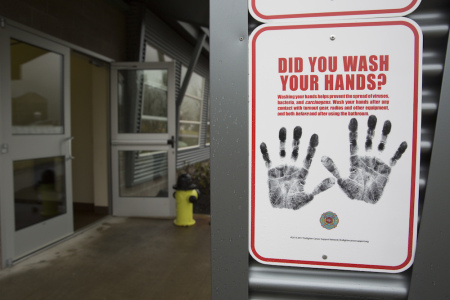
(431, 265)
(229, 148)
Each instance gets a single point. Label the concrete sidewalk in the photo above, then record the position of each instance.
(119, 258)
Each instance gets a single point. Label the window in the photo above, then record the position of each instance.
(37, 101)
(191, 107)
(148, 112)
(191, 111)
(154, 55)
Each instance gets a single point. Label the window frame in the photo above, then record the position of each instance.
(202, 103)
(202, 130)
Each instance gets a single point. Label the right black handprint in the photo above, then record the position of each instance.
(368, 174)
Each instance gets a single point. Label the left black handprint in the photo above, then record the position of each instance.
(286, 182)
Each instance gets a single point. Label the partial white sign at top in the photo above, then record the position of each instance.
(289, 10)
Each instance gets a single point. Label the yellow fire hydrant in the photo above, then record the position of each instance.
(186, 195)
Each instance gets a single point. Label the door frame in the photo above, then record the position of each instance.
(58, 227)
(143, 206)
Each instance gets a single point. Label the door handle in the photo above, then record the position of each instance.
(171, 142)
(69, 140)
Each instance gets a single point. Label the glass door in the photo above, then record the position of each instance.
(35, 143)
(143, 139)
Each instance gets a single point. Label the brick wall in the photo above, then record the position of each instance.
(97, 25)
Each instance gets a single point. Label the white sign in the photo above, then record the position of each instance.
(271, 11)
(335, 144)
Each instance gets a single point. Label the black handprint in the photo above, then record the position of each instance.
(368, 175)
(286, 183)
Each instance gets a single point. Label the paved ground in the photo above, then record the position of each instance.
(120, 258)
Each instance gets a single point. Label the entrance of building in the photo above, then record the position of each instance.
(89, 112)
(53, 108)
(36, 159)
(143, 139)
(54, 141)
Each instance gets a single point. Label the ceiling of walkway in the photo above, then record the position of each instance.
(195, 12)
(189, 18)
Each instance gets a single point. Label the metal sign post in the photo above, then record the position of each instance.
(229, 160)
(232, 276)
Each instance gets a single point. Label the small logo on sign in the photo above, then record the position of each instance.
(329, 220)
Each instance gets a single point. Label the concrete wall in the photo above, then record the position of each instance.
(81, 125)
(100, 143)
(89, 122)
(97, 25)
